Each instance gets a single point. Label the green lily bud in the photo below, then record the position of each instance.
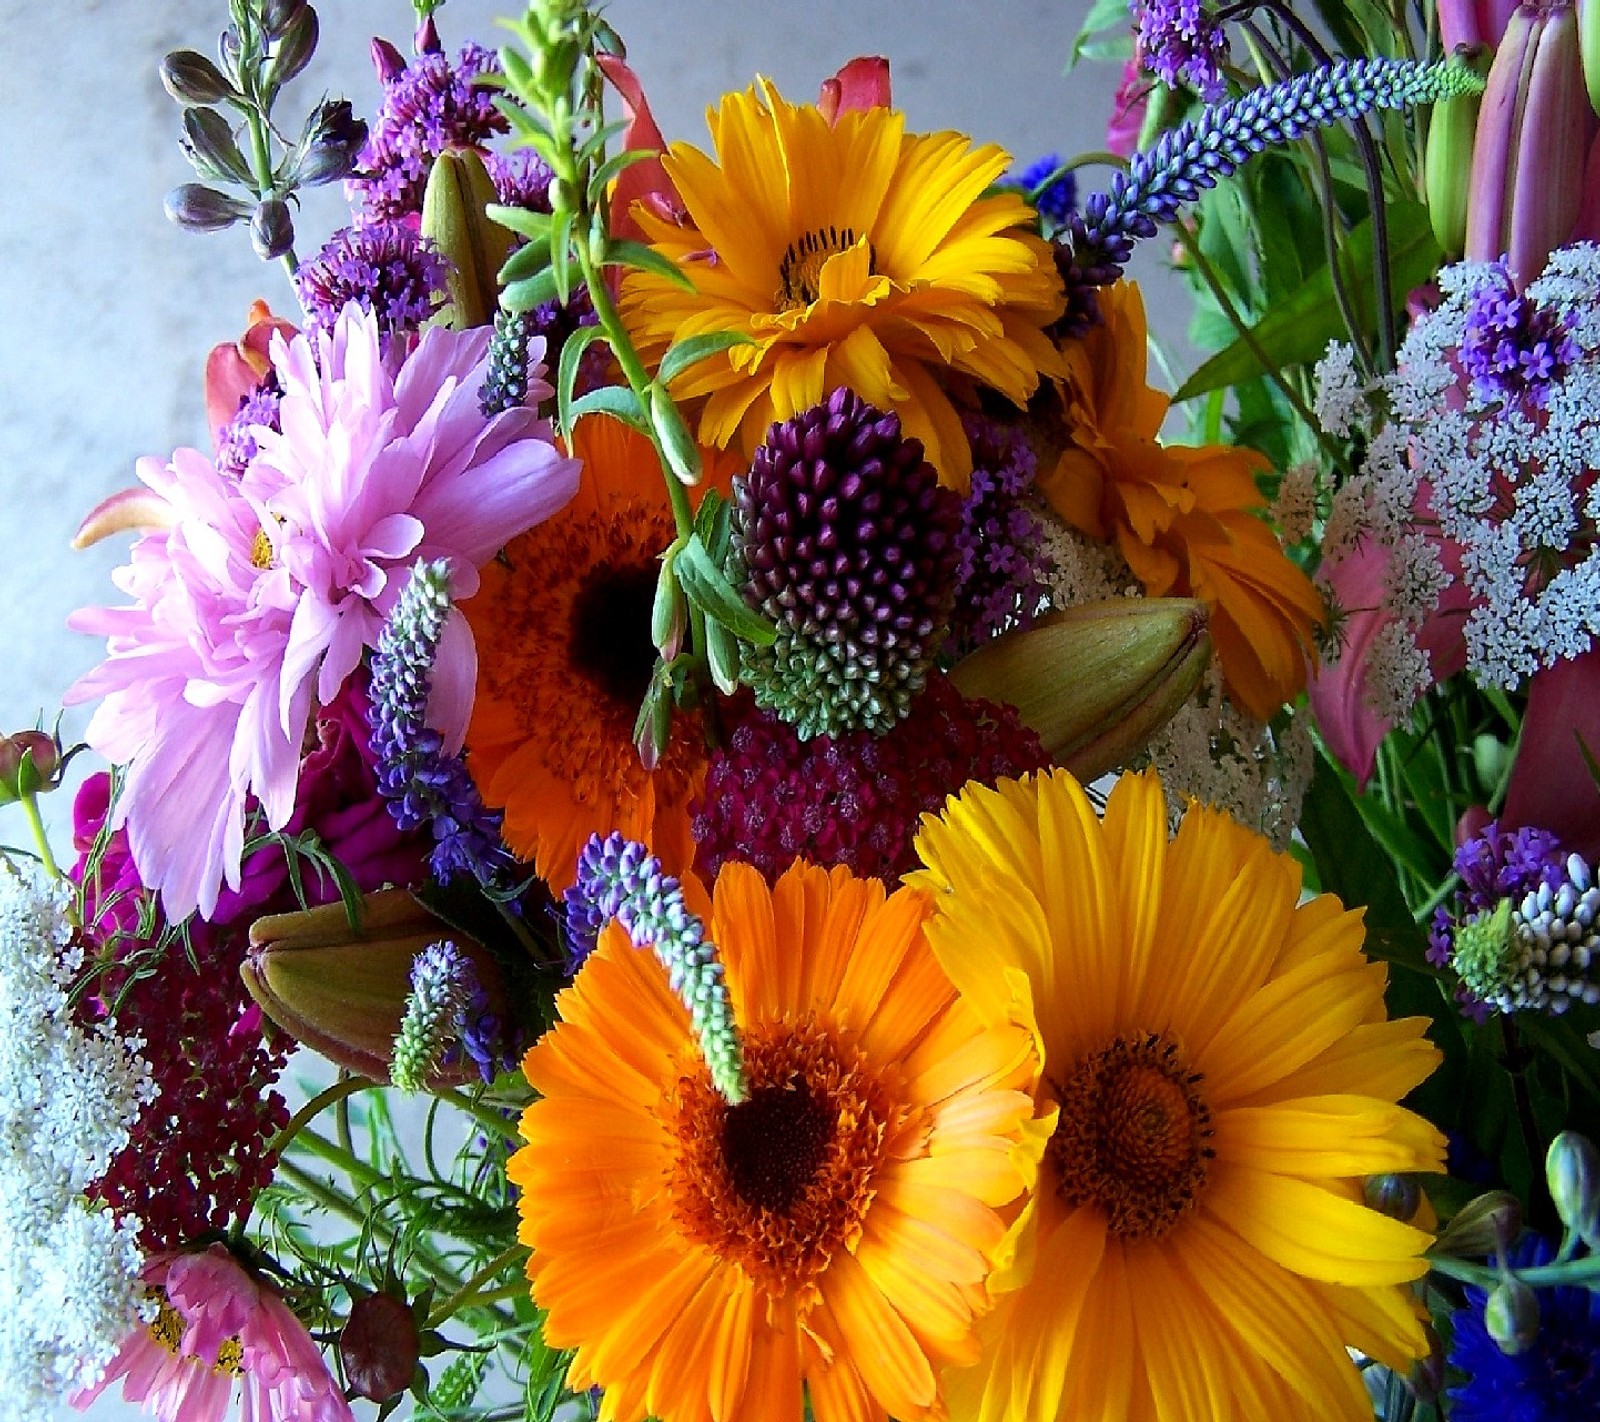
(1095, 682)
(1511, 1316)
(1447, 162)
(191, 78)
(342, 991)
(197, 208)
(453, 217)
(1482, 1225)
(1572, 1170)
(669, 611)
(682, 454)
(1589, 48)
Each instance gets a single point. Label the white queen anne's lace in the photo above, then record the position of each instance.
(68, 1098)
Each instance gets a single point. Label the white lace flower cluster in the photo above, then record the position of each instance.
(1464, 469)
(68, 1098)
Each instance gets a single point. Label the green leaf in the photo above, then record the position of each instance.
(682, 354)
(616, 400)
(1297, 329)
(714, 525)
(602, 176)
(535, 226)
(621, 253)
(561, 253)
(709, 589)
(532, 291)
(567, 375)
(1103, 15)
(528, 260)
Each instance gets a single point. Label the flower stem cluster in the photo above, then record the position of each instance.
(267, 45)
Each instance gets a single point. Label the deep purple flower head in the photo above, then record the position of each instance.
(1514, 348)
(1557, 1377)
(521, 179)
(853, 799)
(1057, 200)
(385, 268)
(1181, 44)
(1003, 569)
(428, 106)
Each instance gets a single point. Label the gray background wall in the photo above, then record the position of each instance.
(107, 311)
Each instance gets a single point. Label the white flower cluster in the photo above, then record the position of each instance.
(1510, 483)
(1341, 398)
(1215, 753)
(68, 1097)
(1082, 569)
(1294, 510)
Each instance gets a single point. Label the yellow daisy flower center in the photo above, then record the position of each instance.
(780, 1182)
(1132, 1137)
(800, 271)
(261, 550)
(168, 1326)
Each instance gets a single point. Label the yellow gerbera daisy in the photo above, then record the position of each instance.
(851, 254)
(831, 1231)
(1184, 519)
(1222, 1076)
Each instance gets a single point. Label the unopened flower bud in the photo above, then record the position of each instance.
(1427, 1377)
(426, 39)
(380, 1346)
(1589, 48)
(28, 764)
(343, 991)
(1482, 1225)
(331, 142)
(1511, 1316)
(272, 229)
(208, 143)
(1447, 163)
(197, 208)
(191, 78)
(1572, 1170)
(1095, 682)
(454, 219)
(669, 610)
(1394, 1195)
(387, 60)
(278, 15)
(295, 46)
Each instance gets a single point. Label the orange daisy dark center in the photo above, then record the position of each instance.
(609, 640)
(780, 1182)
(1133, 1136)
(800, 271)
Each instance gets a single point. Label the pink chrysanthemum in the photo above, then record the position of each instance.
(218, 1337)
(257, 598)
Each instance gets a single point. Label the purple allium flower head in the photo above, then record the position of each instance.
(1057, 200)
(236, 440)
(1514, 348)
(1181, 44)
(521, 179)
(429, 106)
(385, 268)
(1003, 568)
(853, 799)
(1494, 865)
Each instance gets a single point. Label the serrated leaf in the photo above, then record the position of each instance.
(709, 589)
(529, 293)
(620, 253)
(616, 400)
(535, 226)
(567, 373)
(682, 354)
(1297, 328)
(714, 524)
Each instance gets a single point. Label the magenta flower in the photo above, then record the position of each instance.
(257, 600)
(219, 1337)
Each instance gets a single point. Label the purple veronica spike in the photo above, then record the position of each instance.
(423, 784)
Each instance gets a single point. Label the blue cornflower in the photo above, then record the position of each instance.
(1057, 198)
(1557, 1379)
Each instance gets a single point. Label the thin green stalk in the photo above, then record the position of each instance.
(471, 1293)
(1584, 1272)
(485, 1116)
(261, 167)
(30, 808)
(347, 1161)
(328, 1096)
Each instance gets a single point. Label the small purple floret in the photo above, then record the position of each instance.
(1514, 348)
(385, 268)
(1182, 45)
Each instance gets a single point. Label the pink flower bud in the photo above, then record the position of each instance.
(1473, 21)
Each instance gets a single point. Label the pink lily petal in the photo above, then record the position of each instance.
(1551, 784)
(861, 84)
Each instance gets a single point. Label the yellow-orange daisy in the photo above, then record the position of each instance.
(829, 1233)
(562, 624)
(1184, 519)
(1222, 1076)
(851, 254)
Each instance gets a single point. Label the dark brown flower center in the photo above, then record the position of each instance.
(1132, 1137)
(800, 271)
(773, 1142)
(610, 633)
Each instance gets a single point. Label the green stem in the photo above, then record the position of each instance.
(30, 807)
(1219, 292)
(485, 1116)
(472, 1293)
(347, 1161)
(261, 167)
(346, 1086)
(1583, 1272)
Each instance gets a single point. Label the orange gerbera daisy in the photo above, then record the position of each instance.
(830, 1232)
(851, 254)
(1183, 518)
(562, 624)
(1222, 1077)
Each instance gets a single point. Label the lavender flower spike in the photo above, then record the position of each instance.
(421, 783)
(619, 878)
(441, 986)
(1193, 156)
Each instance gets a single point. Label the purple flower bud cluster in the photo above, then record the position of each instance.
(1194, 156)
(428, 106)
(1514, 348)
(385, 268)
(236, 442)
(1002, 569)
(1182, 45)
(423, 784)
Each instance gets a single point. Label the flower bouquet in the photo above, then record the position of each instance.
(843, 863)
